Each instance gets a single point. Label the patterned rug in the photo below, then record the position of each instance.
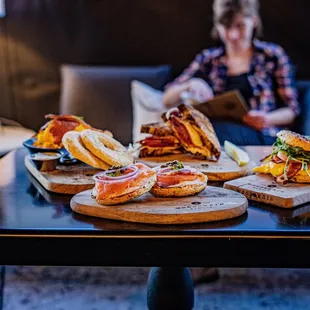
(89, 288)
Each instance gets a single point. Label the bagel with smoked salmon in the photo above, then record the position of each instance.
(175, 180)
(122, 184)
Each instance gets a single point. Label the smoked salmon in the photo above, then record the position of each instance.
(121, 181)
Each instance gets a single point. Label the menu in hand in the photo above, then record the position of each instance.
(229, 106)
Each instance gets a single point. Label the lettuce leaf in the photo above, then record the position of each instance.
(291, 151)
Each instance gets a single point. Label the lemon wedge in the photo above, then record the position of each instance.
(236, 153)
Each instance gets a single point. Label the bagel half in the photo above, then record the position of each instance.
(301, 179)
(294, 139)
(179, 191)
(74, 145)
(128, 196)
(106, 148)
(175, 180)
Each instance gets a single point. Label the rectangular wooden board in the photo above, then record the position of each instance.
(66, 179)
(263, 188)
(223, 170)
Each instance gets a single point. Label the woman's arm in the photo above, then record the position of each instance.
(188, 81)
(199, 89)
(285, 87)
(171, 96)
(260, 119)
(287, 91)
(280, 117)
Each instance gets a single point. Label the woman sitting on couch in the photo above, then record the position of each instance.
(261, 71)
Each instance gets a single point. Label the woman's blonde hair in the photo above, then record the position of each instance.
(224, 12)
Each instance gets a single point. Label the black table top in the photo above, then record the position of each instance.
(30, 216)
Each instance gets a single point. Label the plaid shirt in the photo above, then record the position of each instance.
(271, 77)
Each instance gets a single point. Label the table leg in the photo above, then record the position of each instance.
(170, 288)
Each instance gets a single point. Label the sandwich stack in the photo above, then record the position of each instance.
(183, 130)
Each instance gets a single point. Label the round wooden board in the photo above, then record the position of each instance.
(224, 170)
(213, 204)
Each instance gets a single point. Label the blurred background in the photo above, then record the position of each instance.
(80, 57)
(54, 54)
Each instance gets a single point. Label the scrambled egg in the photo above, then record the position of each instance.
(275, 169)
(195, 137)
(45, 138)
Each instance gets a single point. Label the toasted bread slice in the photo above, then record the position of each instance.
(195, 132)
(294, 139)
(157, 129)
(300, 178)
(147, 151)
(181, 191)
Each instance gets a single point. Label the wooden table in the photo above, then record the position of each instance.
(38, 228)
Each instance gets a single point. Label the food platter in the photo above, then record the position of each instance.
(213, 204)
(263, 188)
(65, 179)
(66, 158)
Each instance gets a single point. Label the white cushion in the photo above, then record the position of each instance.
(12, 137)
(147, 106)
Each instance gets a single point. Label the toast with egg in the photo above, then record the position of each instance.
(161, 141)
(194, 131)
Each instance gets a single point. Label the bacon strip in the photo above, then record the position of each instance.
(276, 159)
(263, 159)
(70, 118)
(155, 141)
(59, 128)
(181, 129)
(292, 169)
(282, 156)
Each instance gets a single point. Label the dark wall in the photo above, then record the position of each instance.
(38, 35)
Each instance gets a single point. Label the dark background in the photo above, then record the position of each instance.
(37, 36)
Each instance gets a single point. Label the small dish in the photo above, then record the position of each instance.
(65, 158)
(34, 149)
(45, 161)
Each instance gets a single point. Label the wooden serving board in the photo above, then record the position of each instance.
(213, 204)
(263, 188)
(223, 170)
(66, 179)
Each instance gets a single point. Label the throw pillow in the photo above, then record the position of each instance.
(147, 107)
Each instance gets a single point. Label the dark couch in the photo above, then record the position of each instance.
(37, 37)
(302, 123)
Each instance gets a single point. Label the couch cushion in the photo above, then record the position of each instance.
(102, 95)
(302, 123)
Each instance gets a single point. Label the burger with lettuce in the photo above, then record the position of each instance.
(289, 160)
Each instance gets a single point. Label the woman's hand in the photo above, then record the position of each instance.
(197, 88)
(200, 89)
(256, 119)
